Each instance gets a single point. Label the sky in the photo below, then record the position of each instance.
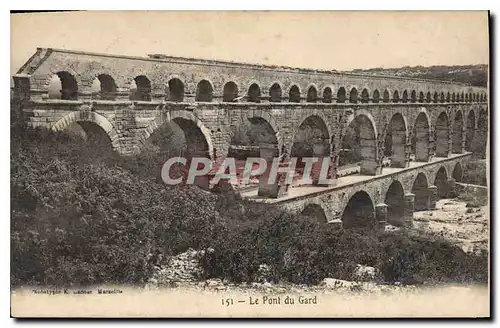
(308, 39)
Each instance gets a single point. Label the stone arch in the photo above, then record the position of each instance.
(204, 91)
(294, 93)
(341, 95)
(421, 137)
(315, 211)
(361, 141)
(471, 127)
(312, 137)
(441, 182)
(275, 92)
(104, 87)
(376, 96)
(140, 89)
(413, 97)
(327, 95)
(394, 198)
(458, 172)
(359, 211)
(387, 97)
(89, 117)
(448, 97)
(396, 136)
(421, 97)
(420, 189)
(405, 96)
(462, 97)
(267, 133)
(312, 94)
(466, 97)
(193, 128)
(458, 127)
(395, 96)
(63, 86)
(254, 93)
(442, 97)
(365, 96)
(436, 97)
(230, 92)
(429, 97)
(175, 90)
(353, 95)
(442, 135)
(482, 133)
(453, 97)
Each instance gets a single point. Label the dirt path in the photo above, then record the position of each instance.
(468, 227)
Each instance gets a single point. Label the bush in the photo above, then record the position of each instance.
(79, 214)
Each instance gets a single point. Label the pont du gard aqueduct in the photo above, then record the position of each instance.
(394, 145)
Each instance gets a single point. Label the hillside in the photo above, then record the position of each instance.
(475, 75)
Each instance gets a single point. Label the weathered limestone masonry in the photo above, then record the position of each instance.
(129, 98)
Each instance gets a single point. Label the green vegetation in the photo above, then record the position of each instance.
(81, 215)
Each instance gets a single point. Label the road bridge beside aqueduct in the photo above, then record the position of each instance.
(407, 138)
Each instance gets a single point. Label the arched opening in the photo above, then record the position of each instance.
(442, 97)
(327, 95)
(458, 172)
(436, 97)
(196, 142)
(353, 96)
(376, 96)
(365, 96)
(421, 191)
(395, 143)
(204, 91)
(386, 97)
(359, 212)
(421, 97)
(448, 97)
(140, 89)
(230, 92)
(104, 87)
(395, 96)
(359, 145)
(482, 132)
(294, 94)
(466, 97)
(453, 97)
(311, 140)
(469, 134)
(442, 135)
(96, 139)
(420, 142)
(394, 199)
(63, 86)
(429, 97)
(458, 127)
(175, 90)
(254, 93)
(405, 96)
(462, 97)
(413, 96)
(441, 182)
(248, 136)
(315, 212)
(341, 95)
(312, 94)
(275, 93)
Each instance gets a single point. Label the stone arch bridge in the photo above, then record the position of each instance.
(374, 128)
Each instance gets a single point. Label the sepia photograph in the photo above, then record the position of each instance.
(250, 164)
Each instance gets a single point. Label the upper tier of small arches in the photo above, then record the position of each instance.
(63, 85)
